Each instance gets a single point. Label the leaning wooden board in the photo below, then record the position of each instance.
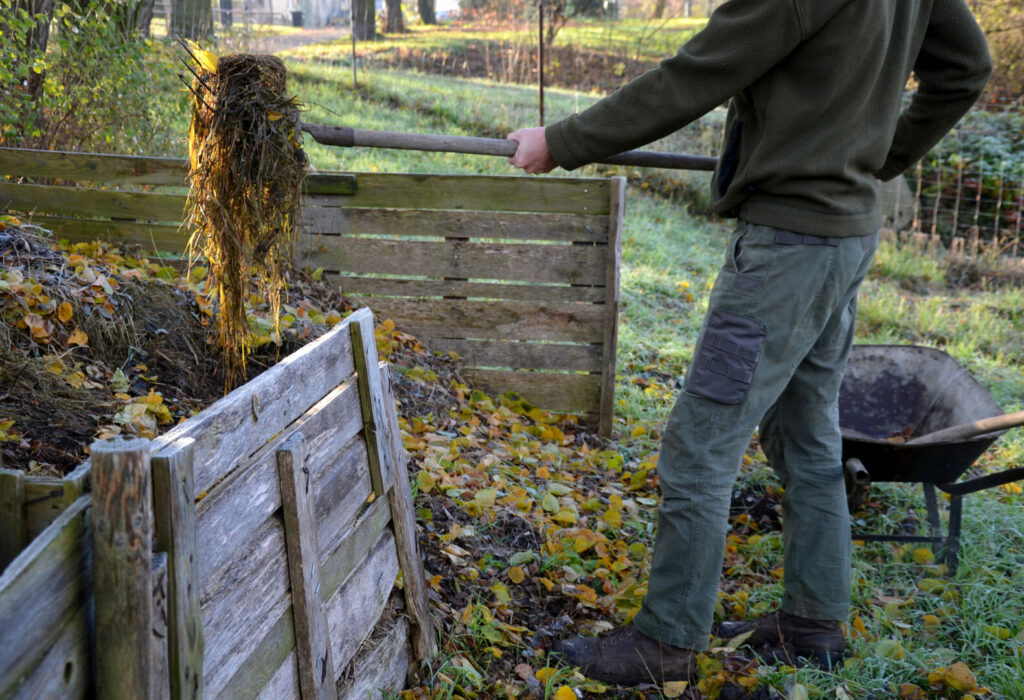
(519, 276)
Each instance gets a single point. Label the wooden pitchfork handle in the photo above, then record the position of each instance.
(347, 136)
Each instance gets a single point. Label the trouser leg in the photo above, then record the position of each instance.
(800, 437)
(771, 302)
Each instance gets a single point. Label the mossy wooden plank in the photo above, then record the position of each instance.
(475, 193)
(83, 201)
(42, 591)
(92, 167)
(521, 262)
(381, 666)
(353, 546)
(329, 183)
(167, 238)
(64, 670)
(13, 526)
(515, 355)
(355, 608)
(560, 393)
(459, 224)
(263, 664)
(506, 320)
(613, 264)
(44, 502)
(363, 289)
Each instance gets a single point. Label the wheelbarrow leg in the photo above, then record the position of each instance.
(956, 504)
(934, 525)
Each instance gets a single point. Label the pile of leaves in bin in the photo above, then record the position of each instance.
(531, 527)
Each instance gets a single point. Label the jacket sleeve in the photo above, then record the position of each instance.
(742, 40)
(952, 69)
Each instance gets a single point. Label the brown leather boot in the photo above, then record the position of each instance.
(627, 656)
(791, 639)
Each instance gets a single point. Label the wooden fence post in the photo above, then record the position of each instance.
(403, 518)
(122, 567)
(13, 526)
(312, 647)
(175, 519)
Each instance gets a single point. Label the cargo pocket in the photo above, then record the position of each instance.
(727, 357)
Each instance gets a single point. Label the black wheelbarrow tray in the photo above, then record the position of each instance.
(896, 392)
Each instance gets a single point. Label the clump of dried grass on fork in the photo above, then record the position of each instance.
(246, 171)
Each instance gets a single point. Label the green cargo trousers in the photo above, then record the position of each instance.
(772, 351)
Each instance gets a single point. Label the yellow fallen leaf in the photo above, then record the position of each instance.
(542, 674)
(78, 337)
(922, 555)
(564, 692)
(516, 575)
(206, 59)
(64, 312)
(638, 431)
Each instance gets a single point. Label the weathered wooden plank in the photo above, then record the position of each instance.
(329, 183)
(121, 533)
(559, 393)
(284, 683)
(522, 262)
(13, 525)
(63, 671)
(403, 518)
(242, 605)
(514, 355)
(428, 319)
(613, 263)
(342, 493)
(381, 668)
(353, 545)
(42, 593)
(230, 517)
(92, 167)
(565, 228)
(160, 678)
(316, 671)
(44, 502)
(363, 289)
(230, 430)
(175, 521)
(371, 399)
(261, 672)
(166, 238)
(357, 605)
(476, 193)
(83, 201)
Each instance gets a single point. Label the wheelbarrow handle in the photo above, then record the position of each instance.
(969, 430)
(347, 136)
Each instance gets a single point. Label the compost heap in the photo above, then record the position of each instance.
(246, 170)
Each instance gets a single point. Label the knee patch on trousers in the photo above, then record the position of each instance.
(727, 357)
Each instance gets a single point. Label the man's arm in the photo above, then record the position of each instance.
(952, 69)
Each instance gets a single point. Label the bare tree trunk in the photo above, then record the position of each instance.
(395, 22)
(364, 20)
(426, 9)
(34, 43)
(659, 10)
(191, 19)
(688, 8)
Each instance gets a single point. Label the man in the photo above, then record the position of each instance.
(814, 124)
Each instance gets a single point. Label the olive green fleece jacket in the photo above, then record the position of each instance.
(816, 90)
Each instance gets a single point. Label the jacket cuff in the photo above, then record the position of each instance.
(559, 148)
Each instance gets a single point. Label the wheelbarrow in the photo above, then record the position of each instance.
(897, 405)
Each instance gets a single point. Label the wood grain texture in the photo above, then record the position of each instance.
(159, 678)
(548, 195)
(358, 603)
(175, 521)
(316, 670)
(519, 355)
(371, 399)
(361, 290)
(92, 167)
(353, 545)
(463, 224)
(381, 666)
(522, 262)
(153, 238)
(83, 201)
(403, 518)
(43, 595)
(63, 671)
(122, 531)
(13, 523)
(285, 681)
(510, 320)
(261, 671)
(234, 427)
(613, 263)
